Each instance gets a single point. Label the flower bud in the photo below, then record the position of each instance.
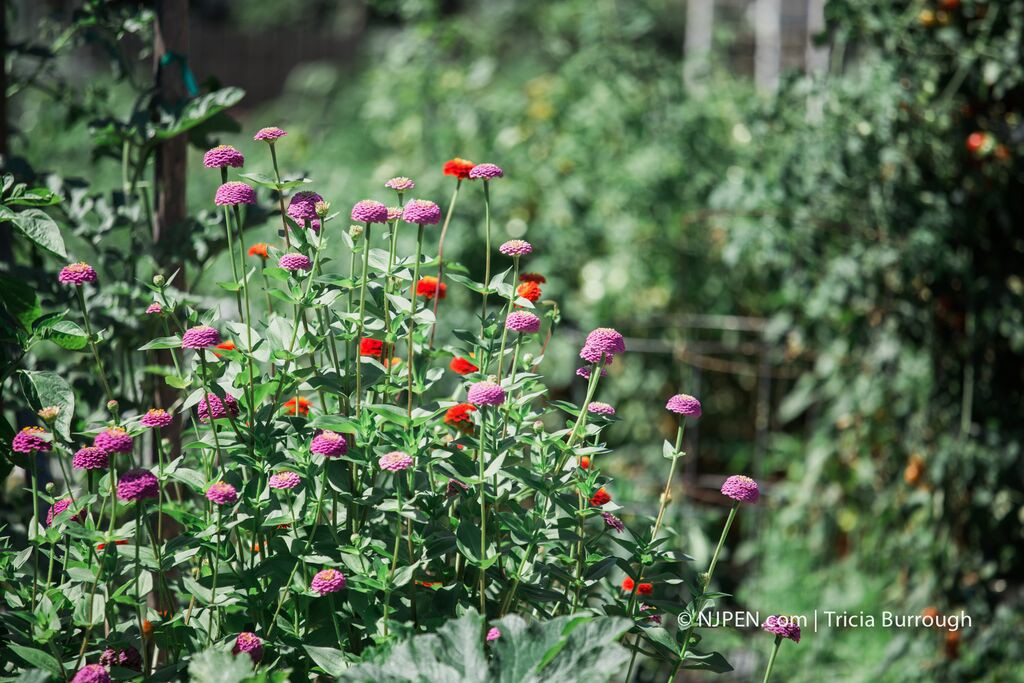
(321, 208)
(538, 425)
(355, 231)
(112, 406)
(528, 359)
(159, 280)
(49, 413)
(50, 488)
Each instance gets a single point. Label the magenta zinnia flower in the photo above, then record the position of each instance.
(77, 274)
(113, 440)
(486, 172)
(494, 633)
(328, 443)
(269, 135)
(58, 507)
(31, 439)
(782, 627)
(394, 213)
(91, 673)
(741, 488)
(523, 322)
(222, 493)
(223, 156)
(302, 206)
(200, 337)
(220, 409)
(486, 394)
(395, 461)
(684, 404)
(400, 184)
(234, 192)
(294, 262)
(90, 458)
(128, 658)
(599, 408)
(369, 211)
(454, 488)
(328, 581)
(584, 372)
(606, 340)
(516, 248)
(250, 644)
(613, 521)
(137, 485)
(284, 480)
(154, 308)
(421, 212)
(156, 417)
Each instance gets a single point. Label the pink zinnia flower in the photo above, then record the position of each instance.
(222, 493)
(485, 394)
(584, 372)
(128, 658)
(400, 184)
(599, 408)
(328, 443)
(421, 212)
(31, 439)
(200, 337)
(156, 417)
(783, 627)
(613, 521)
(90, 458)
(454, 488)
(394, 213)
(250, 644)
(137, 485)
(328, 581)
(154, 308)
(77, 274)
(113, 440)
(523, 322)
(234, 192)
(493, 634)
(395, 461)
(269, 134)
(223, 156)
(91, 673)
(606, 340)
(684, 404)
(741, 488)
(486, 172)
(516, 248)
(294, 262)
(60, 506)
(302, 206)
(284, 480)
(369, 211)
(220, 409)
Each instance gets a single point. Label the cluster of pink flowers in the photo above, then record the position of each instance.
(782, 627)
(58, 507)
(294, 262)
(128, 658)
(250, 644)
(486, 172)
(740, 488)
(599, 408)
(684, 404)
(400, 184)
(302, 206)
(602, 345)
(516, 248)
(223, 156)
(284, 480)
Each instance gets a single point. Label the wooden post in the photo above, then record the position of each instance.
(700, 24)
(815, 57)
(768, 45)
(171, 37)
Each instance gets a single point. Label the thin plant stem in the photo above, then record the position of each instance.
(216, 573)
(280, 195)
(440, 257)
(487, 254)
(482, 466)
(92, 344)
(394, 553)
(771, 659)
(504, 327)
(410, 369)
(209, 407)
(362, 313)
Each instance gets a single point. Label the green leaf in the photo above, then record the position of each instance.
(271, 182)
(37, 658)
(467, 537)
(37, 226)
(47, 388)
(67, 335)
(199, 110)
(327, 658)
(465, 281)
(218, 666)
(172, 342)
(83, 617)
(20, 300)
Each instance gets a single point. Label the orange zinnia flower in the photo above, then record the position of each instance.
(371, 347)
(458, 416)
(225, 346)
(459, 168)
(600, 497)
(462, 366)
(427, 287)
(585, 462)
(392, 362)
(297, 405)
(259, 249)
(529, 290)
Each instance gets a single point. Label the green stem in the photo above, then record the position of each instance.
(504, 327)
(92, 344)
(280, 196)
(216, 574)
(482, 466)
(771, 659)
(209, 408)
(440, 258)
(394, 553)
(362, 313)
(487, 255)
(412, 314)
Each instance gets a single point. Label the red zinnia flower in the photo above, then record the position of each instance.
(297, 405)
(642, 589)
(259, 249)
(371, 347)
(585, 464)
(458, 416)
(462, 366)
(529, 290)
(600, 497)
(101, 546)
(225, 346)
(532, 277)
(459, 168)
(427, 287)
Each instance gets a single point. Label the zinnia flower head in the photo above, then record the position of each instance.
(128, 658)
(458, 416)
(781, 626)
(584, 372)
(224, 346)
(200, 337)
(371, 347)
(454, 488)
(294, 262)
(602, 344)
(302, 206)
(91, 673)
(486, 172)
(459, 168)
(427, 287)
(77, 274)
(741, 488)
(600, 497)
(614, 522)
(60, 506)
(297, 405)
(90, 458)
(284, 480)
(259, 249)
(137, 485)
(532, 277)
(156, 417)
(529, 291)
(400, 184)
(328, 581)
(250, 644)
(48, 413)
(421, 212)
(684, 404)
(642, 589)
(113, 440)
(599, 408)
(329, 444)
(223, 156)
(233, 193)
(369, 211)
(269, 135)
(462, 366)
(154, 308)
(222, 493)
(493, 634)
(585, 462)
(523, 322)
(395, 461)
(322, 209)
(516, 248)
(486, 394)
(394, 213)
(211, 403)
(31, 439)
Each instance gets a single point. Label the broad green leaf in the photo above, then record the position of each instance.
(172, 342)
(37, 658)
(327, 658)
(38, 227)
(219, 666)
(20, 300)
(50, 389)
(200, 109)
